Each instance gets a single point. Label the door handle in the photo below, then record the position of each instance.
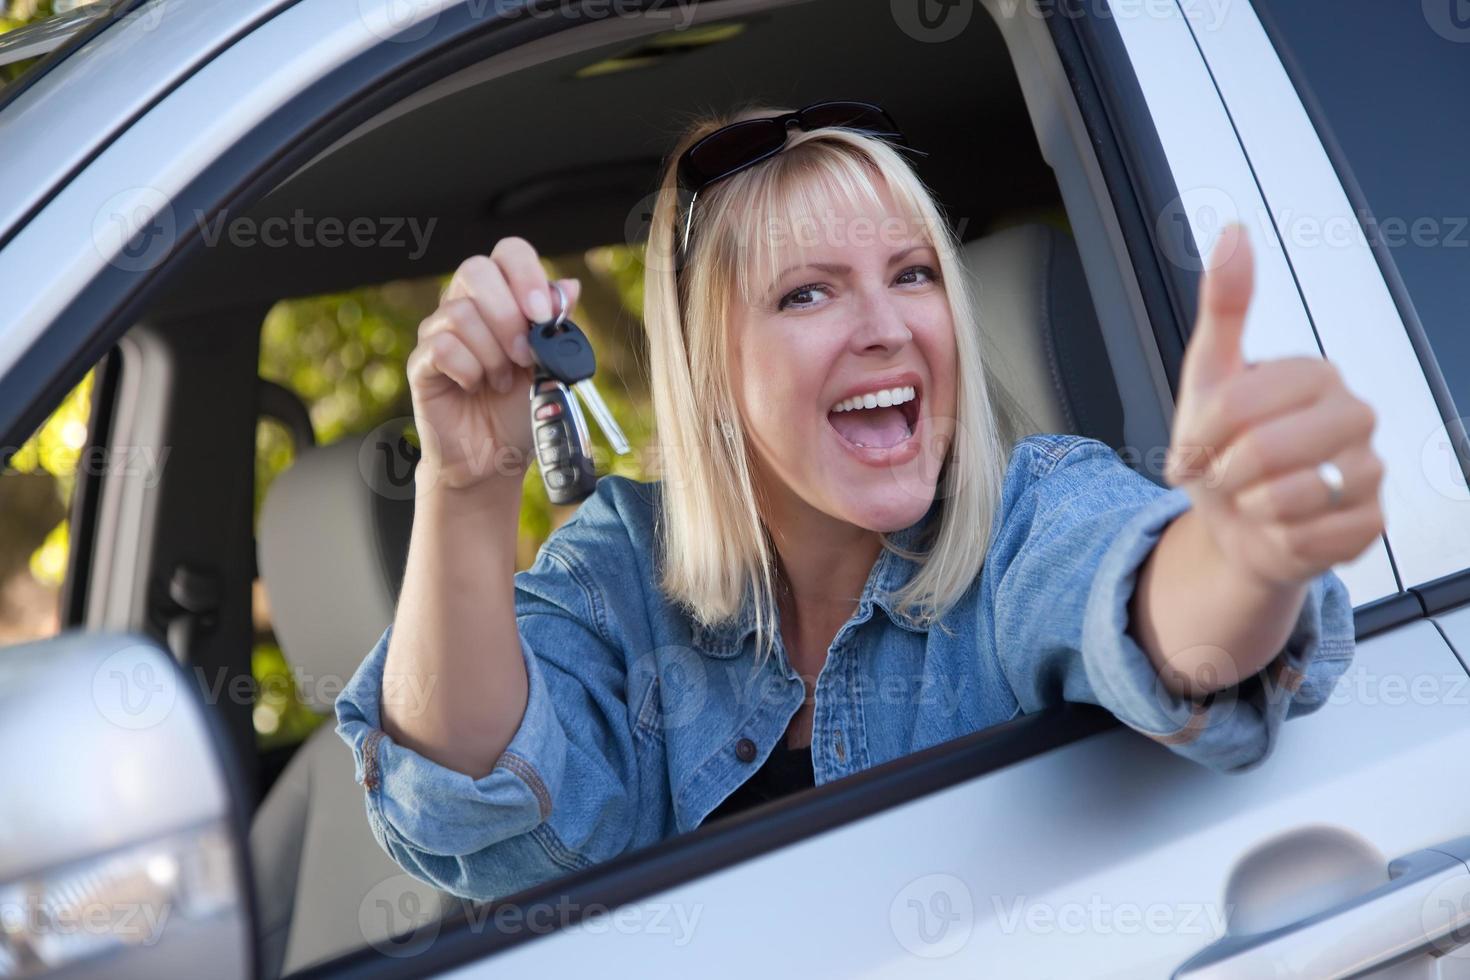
(1426, 899)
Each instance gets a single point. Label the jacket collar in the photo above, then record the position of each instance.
(890, 573)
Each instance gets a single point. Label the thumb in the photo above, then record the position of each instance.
(1214, 351)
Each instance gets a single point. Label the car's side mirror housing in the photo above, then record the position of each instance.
(121, 842)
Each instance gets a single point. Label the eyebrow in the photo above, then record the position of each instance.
(836, 268)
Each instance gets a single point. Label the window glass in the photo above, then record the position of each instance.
(1388, 78)
(35, 498)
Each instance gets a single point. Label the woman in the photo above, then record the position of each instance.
(843, 562)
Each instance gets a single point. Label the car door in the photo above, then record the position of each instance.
(1108, 856)
(1055, 845)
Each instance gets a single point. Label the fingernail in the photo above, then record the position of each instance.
(540, 306)
(520, 351)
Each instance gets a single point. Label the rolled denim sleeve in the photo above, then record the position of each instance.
(1076, 528)
(558, 799)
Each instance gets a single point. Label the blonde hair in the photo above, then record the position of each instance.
(715, 545)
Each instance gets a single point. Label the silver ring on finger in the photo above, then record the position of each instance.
(1331, 476)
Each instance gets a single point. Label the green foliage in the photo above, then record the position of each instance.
(280, 717)
(55, 449)
(19, 13)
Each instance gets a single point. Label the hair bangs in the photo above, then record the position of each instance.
(794, 203)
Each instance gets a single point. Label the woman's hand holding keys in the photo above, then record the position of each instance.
(470, 373)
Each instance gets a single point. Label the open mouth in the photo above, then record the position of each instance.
(879, 419)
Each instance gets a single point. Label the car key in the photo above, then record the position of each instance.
(564, 357)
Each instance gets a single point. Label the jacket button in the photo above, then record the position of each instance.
(745, 750)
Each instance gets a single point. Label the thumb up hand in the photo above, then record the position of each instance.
(1275, 455)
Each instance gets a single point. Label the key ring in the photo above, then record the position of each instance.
(561, 306)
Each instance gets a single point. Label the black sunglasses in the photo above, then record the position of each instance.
(735, 147)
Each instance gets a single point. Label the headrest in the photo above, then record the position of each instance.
(332, 545)
(1040, 334)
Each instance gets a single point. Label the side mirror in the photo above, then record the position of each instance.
(121, 838)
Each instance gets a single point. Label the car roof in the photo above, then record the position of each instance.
(91, 90)
(565, 153)
(551, 151)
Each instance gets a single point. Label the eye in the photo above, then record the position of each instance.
(925, 271)
(799, 297)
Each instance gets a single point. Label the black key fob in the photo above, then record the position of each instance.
(563, 350)
(560, 433)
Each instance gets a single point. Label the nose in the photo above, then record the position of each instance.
(881, 327)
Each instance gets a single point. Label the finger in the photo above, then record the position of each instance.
(423, 374)
(1268, 389)
(1302, 494)
(1334, 537)
(1214, 351)
(521, 266)
(447, 355)
(461, 317)
(1288, 442)
(481, 280)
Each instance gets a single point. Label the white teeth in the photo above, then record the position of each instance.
(875, 399)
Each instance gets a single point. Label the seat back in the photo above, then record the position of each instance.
(1046, 362)
(333, 540)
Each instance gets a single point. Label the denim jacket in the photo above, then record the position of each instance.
(639, 722)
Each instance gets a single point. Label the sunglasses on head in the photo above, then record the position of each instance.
(743, 144)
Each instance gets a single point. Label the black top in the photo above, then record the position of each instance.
(784, 771)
